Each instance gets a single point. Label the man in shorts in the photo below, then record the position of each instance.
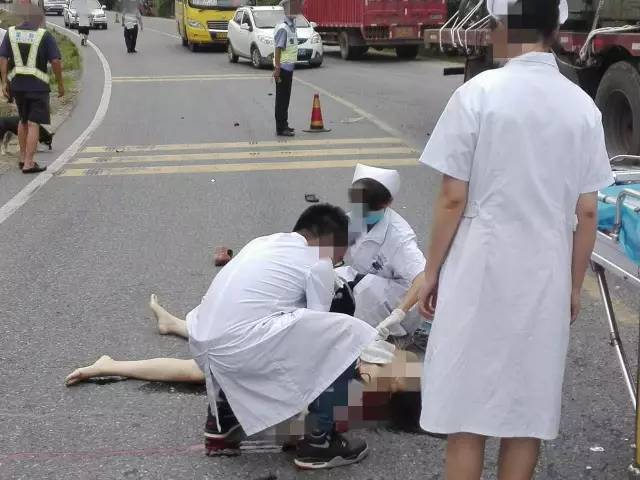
(24, 54)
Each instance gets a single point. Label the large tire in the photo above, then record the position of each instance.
(618, 98)
(407, 52)
(348, 51)
(233, 58)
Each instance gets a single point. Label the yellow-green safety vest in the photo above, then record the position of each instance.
(290, 54)
(33, 38)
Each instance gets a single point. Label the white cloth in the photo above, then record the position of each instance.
(83, 11)
(390, 258)
(390, 179)
(254, 337)
(529, 142)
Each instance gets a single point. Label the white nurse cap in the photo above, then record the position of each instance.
(500, 8)
(390, 179)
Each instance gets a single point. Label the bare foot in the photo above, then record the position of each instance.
(162, 316)
(85, 373)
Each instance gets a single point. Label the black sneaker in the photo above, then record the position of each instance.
(328, 451)
(226, 440)
(285, 133)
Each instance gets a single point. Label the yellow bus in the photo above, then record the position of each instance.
(205, 22)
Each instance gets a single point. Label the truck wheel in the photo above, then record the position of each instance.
(347, 50)
(618, 98)
(407, 52)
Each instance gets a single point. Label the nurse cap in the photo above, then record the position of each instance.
(390, 179)
(500, 8)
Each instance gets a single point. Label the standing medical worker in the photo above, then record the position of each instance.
(284, 63)
(269, 347)
(131, 21)
(523, 154)
(383, 257)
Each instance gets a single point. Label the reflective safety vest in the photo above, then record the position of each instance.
(32, 38)
(290, 54)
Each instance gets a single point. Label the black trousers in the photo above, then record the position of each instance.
(130, 38)
(283, 96)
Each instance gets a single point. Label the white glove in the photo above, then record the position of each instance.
(395, 318)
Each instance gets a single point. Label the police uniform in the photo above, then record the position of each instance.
(286, 39)
(29, 49)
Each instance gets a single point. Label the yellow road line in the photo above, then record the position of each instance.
(229, 145)
(234, 167)
(326, 152)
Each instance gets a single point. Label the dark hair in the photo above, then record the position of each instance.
(375, 195)
(324, 219)
(541, 16)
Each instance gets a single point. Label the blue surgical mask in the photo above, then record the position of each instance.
(374, 217)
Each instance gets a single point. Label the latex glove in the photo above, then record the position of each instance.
(395, 318)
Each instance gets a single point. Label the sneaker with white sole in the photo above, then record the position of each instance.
(329, 450)
(226, 440)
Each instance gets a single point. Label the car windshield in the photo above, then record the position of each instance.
(220, 4)
(271, 18)
(91, 4)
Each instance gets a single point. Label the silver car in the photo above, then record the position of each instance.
(54, 6)
(97, 18)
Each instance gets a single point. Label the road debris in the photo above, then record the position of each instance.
(352, 120)
(311, 198)
(236, 124)
(597, 449)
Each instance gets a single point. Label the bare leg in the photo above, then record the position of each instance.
(465, 456)
(167, 323)
(22, 139)
(152, 370)
(31, 144)
(518, 458)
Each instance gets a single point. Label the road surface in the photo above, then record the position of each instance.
(186, 159)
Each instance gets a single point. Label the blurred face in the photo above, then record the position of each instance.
(30, 13)
(294, 8)
(511, 43)
(329, 249)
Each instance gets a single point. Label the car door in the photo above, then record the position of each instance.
(244, 35)
(234, 29)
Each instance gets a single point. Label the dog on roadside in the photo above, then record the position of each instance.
(9, 129)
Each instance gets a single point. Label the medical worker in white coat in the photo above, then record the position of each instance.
(383, 259)
(269, 347)
(523, 155)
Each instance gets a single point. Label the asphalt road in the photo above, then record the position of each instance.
(186, 159)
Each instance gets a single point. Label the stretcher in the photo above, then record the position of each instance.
(617, 251)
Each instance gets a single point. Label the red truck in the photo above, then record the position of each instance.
(598, 49)
(356, 25)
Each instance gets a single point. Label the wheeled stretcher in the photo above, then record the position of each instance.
(617, 251)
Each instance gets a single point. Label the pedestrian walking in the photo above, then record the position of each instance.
(284, 60)
(83, 11)
(131, 21)
(522, 151)
(24, 54)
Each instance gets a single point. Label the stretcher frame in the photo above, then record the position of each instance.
(609, 257)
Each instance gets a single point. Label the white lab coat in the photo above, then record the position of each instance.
(390, 258)
(263, 333)
(529, 142)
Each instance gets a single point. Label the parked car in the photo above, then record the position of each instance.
(98, 19)
(251, 33)
(54, 6)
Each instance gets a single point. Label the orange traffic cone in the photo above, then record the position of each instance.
(317, 125)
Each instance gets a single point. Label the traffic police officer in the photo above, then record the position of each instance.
(285, 58)
(24, 54)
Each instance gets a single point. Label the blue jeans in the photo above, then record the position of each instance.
(322, 410)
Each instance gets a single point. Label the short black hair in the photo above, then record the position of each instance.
(540, 16)
(324, 219)
(375, 195)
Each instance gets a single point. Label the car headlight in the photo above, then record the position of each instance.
(195, 24)
(265, 39)
(316, 38)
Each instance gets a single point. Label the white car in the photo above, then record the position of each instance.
(53, 6)
(251, 33)
(97, 19)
